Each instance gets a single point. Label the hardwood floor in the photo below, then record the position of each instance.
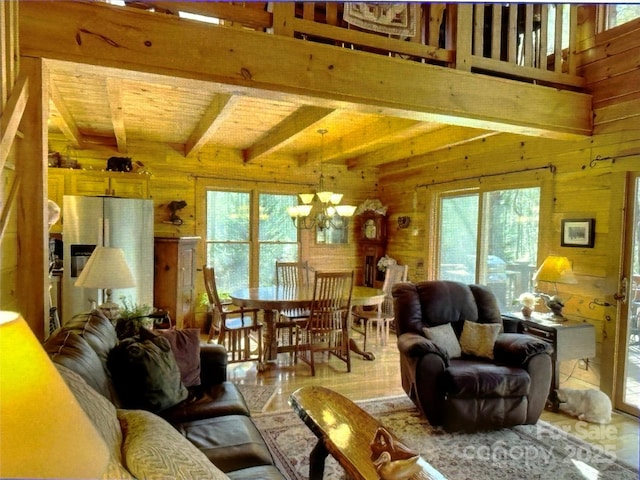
(381, 377)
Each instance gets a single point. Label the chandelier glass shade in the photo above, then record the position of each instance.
(320, 209)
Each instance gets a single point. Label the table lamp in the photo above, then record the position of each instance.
(44, 433)
(555, 269)
(106, 269)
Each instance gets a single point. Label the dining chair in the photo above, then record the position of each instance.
(384, 316)
(290, 274)
(236, 325)
(327, 327)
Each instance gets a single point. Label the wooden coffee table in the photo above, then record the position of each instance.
(345, 431)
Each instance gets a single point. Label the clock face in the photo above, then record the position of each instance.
(370, 230)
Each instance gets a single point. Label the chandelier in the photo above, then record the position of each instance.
(320, 209)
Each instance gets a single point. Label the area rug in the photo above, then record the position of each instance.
(539, 451)
(257, 396)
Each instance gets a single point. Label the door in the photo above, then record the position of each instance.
(627, 393)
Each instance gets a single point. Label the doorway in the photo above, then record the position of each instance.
(627, 397)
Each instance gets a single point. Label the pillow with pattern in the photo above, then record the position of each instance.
(478, 339)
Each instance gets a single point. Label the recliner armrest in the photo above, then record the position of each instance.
(213, 364)
(517, 348)
(414, 345)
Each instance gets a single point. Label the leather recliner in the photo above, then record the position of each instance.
(467, 393)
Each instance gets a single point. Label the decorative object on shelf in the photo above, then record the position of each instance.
(119, 164)
(528, 301)
(173, 207)
(385, 262)
(404, 222)
(45, 433)
(578, 233)
(555, 269)
(374, 206)
(321, 209)
(107, 269)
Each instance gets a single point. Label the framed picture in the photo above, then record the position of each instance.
(578, 233)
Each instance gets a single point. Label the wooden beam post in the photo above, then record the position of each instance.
(31, 168)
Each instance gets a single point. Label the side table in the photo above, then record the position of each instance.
(570, 339)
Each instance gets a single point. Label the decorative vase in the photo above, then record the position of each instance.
(526, 311)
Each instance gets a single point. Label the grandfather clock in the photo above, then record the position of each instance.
(373, 240)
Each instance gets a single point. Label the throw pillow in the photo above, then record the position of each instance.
(103, 415)
(478, 338)
(146, 375)
(445, 338)
(154, 449)
(185, 345)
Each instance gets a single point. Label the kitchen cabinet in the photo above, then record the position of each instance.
(114, 184)
(174, 278)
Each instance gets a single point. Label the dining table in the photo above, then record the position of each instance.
(272, 299)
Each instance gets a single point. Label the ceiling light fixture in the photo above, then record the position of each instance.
(320, 209)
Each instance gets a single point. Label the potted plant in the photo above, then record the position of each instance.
(132, 317)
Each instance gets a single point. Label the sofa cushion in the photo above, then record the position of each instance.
(97, 330)
(473, 379)
(102, 414)
(205, 402)
(231, 442)
(74, 352)
(185, 345)
(445, 338)
(478, 339)
(154, 449)
(146, 375)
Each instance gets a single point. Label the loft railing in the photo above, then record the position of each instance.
(528, 42)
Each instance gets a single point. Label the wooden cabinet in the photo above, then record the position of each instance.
(116, 184)
(174, 278)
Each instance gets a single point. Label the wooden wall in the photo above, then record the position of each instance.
(579, 188)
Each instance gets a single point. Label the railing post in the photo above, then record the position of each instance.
(283, 12)
(464, 34)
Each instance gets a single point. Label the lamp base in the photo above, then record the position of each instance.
(110, 309)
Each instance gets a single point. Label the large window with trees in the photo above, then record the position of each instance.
(490, 238)
(246, 232)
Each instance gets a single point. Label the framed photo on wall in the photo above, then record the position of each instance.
(578, 233)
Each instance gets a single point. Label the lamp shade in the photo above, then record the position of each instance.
(106, 268)
(555, 269)
(44, 433)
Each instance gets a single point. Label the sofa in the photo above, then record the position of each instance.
(459, 367)
(200, 427)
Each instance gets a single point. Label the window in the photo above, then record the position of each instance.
(619, 14)
(490, 238)
(238, 259)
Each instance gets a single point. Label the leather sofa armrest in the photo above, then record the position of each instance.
(213, 364)
(414, 345)
(517, 349)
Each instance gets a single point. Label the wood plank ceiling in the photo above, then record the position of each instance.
(100, 105)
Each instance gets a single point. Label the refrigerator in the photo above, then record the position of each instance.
(111, 222)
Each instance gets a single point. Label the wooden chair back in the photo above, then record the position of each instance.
(331, 302)
(292, 273)
(394, 274)
(212, 290)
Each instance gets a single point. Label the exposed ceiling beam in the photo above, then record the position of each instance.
(114, 91)
(215, 115)
(64, 120)
(430, 142)
(284, 68)
(285, 132)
